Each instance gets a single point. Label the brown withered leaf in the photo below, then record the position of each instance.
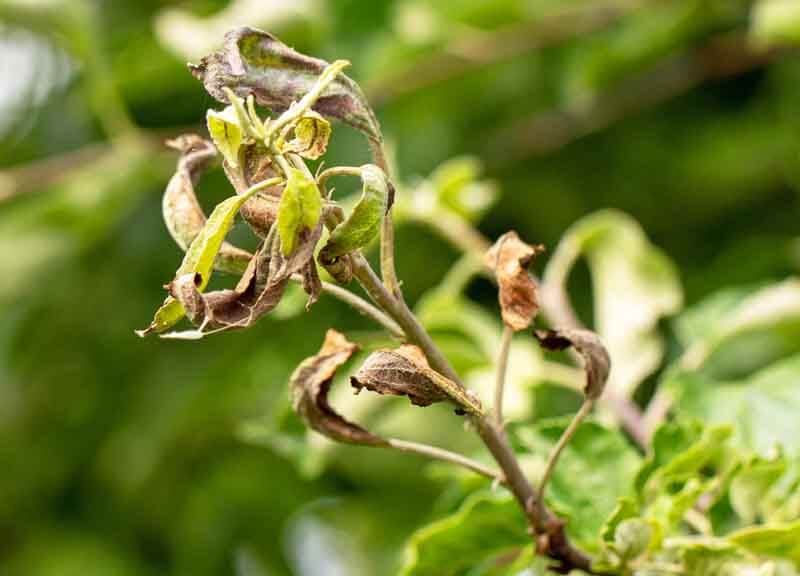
(258, 292)
(405, 372)
(255, 62)
(509, 259)
(182, 212)
(309, 387)
(596, 361)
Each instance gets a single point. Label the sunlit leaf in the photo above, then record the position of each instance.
(226, 132)
(774, 541)
(634, 286)
(762, 408)
(300, 209)
(459, 188)
(776, 22)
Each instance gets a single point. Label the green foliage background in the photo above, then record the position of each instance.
(125, 456)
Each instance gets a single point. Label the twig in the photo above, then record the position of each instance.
(500, 384)
(447, 456)
(360, 305)
(388, 271)
(541, 519)
(566, 436)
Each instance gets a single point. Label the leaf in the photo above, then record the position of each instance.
(364, 222)
(738, 330)
(459, 189)
(774, 541)
(634, 286)
(686, 464)
(750, 486)
(199, 260)
(405, 372)
(761, 408)
(182, 213)
(595, 357)
(483, 527)
(626, 508)
(311, 135)
(309, 386)
(255, 62)
(596, 469)
(509, 259)
(226, 133)
(776, 22)
(300, 209)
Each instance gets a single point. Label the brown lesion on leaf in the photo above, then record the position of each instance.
(509, 259)
(309, 387)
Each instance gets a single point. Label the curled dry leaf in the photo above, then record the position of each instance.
(405, 372)
(182, 213)
(259, 291)
(309, 386)
(596, 360)
(311, 135)
(255, 62)
(509, 259)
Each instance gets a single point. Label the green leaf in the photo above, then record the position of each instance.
(685, 465)
(670, 440)
(483, 527)
(762, 408)
(458, 187)
(751, 484)
(364, 222)
(774, 541)
(776, 22)
(596, 469)
(226, 133)
(635, 285)
(741, 329)
(299, 210)
(255, 62)
(199, 259)
(626, 509)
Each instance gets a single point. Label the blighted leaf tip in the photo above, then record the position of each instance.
(509, 259)
(597, 362)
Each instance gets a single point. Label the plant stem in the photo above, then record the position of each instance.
(541, 519)
(413, 330)
(446, 456)
(360, 305)
(388, 271)
(500, 384)
(566, 436)
(335, 171)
